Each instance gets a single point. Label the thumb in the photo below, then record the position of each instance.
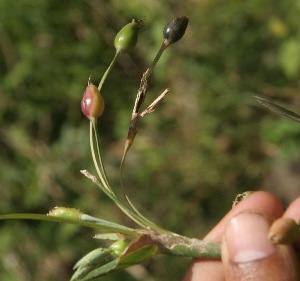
(248, 255)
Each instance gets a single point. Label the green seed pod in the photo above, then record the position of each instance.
(127, 37)
(64, 212)
(92, 103)
(175, 29)
(284, 231)
(118, 247)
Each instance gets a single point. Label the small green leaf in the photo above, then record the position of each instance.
(137, 256)
(93, 257)
(120, 263)
(98, 272)
(139, 250)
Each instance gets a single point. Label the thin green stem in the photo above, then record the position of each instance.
(133, 213)
(100, 171)
(104, 185)
(83, 220)
(95, 130)
(156, 59)
(150, 223)
(108, 70)
(139, 101)
(140, 98)
(123, 207)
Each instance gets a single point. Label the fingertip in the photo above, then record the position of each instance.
(293, 211)
(202, 270)
(260, 200)
(264, 201)
(245, 237)
(246, 250)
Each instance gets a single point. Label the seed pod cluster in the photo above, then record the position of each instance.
(92, 103)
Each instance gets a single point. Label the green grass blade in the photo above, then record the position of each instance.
(278, 109)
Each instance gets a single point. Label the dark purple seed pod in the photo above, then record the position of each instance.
(175, 29)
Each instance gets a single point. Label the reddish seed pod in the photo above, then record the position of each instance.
(92, 103)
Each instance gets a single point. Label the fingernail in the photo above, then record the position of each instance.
(247, 237)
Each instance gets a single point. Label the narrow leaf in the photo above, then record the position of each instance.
(93, 257)
(89, 262)
(105, 269)
(278, 108)
(83, 220)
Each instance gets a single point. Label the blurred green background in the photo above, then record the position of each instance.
(208, 141)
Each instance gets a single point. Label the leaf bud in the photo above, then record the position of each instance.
(118, 247)
(127, 37)
(92, 103)
(175, 29)
(64, 212)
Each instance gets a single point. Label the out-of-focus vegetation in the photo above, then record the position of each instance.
(208, 141)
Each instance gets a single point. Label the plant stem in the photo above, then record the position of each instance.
(104, 184)
(100, 171)
(150, 223)
(117, 201)
(83, 220)
(108, 70)
(156, 59)
(105, 187)
(194, 248)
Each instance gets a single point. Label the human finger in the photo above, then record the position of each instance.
(248, 255)
(213, 269)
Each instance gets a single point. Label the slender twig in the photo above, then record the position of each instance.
(100, 170)
(154, 104)
(83, 220)
(108, 70)
(136, 217)
(152, 224)
(140, 98)
(157, 57)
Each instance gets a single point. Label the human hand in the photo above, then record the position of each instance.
(246, 252)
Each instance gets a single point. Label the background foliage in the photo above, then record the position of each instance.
(208, 141)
